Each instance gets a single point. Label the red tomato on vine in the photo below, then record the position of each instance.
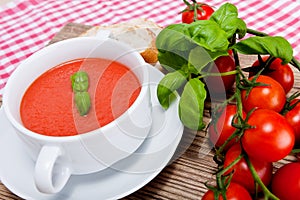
(215, 83)
(271, 96)
(270, 138)
(233, 192)
(286, 182)
(293, 117)
(241, 172)
(221, 129)
(283, 74)
(196, 11)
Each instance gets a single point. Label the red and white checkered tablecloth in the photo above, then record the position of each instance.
(28, 25)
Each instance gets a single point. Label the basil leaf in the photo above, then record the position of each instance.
(83, 102)
(227, 17)
(173, 37)
(173, 47)
(268, 45)
(207, 34)
(80, 81)
(191, 104)
(166, 87)
(172, 61)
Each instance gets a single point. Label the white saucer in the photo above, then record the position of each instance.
(16, 168)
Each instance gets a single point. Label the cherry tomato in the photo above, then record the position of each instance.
(286, 182)
(204, 11)
(241, 172)
(215, 83)
(221, 129)
(271, 137)
(233, 192)
(293, 117)
(271, 96)
(283, 74)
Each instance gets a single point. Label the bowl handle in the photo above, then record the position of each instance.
(52, 170)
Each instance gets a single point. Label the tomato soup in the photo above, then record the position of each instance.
(48, 106)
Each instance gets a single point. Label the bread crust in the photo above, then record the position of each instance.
(138, 33)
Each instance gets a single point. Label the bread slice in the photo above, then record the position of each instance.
(138, 33)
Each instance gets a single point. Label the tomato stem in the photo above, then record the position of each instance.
(295, 63)
(219, 156)
(195, 7)
(238, 78)
(187, 3)
(266, 191)
(224, 181)
(296, 151)
(268, 62)
(204, 74)
(223, 171)
(289, 105)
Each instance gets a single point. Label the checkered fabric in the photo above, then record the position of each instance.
(28, 25)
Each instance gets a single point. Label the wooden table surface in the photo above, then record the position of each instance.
(191, 167)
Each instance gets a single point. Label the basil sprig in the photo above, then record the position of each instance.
(185, 49)
(80, 85)
(275, 46)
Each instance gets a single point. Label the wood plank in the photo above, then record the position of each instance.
(5, 194)
(192, 167)
(70, 30)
